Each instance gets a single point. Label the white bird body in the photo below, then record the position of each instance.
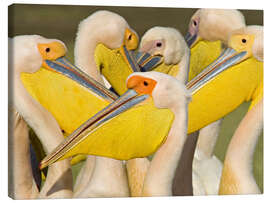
(100, 176)
(206, 174)
(25, 57)
(207, 168)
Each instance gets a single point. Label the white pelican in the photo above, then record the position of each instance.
(204, 45)
(101, 176)
(26, 54)
(248, 77)
(233, 181)
(160, 173)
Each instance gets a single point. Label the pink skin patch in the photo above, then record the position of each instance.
(151, 46)
(194, 26)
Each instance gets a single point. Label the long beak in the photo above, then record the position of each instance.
(190, 39)
(63, 66)
(228, 58)
(129, 99)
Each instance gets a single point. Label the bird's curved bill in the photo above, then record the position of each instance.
(64, 67)
(191, 39)
(228, 58)
(129, 99)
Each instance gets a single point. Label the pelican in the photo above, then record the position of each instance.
(233, 181)
(101, 176)
(221, 22)
(160, 172)
(248, 38)
(27, 54)
(204, 46)
(237, 176)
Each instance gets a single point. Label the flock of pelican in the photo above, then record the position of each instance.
(170, 86)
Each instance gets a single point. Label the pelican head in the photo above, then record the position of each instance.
(164, 41)
(165, 90)
(107, 28)
(170, 45)
(102, 41)
(249, 39)
(244, 43)
(29, 52)
(213, 25)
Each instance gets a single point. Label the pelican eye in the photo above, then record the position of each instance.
(244, 40)
(130, 37)
(194, 23)
(145, 83)
(159, 44)
(47, 49)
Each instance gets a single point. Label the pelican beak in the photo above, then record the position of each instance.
(191, 40)
(228, 58)
(64, 67)
(129, 99)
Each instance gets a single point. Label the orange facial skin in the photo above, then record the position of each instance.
(141, 84)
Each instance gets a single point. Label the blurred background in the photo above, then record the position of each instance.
(61, 21)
